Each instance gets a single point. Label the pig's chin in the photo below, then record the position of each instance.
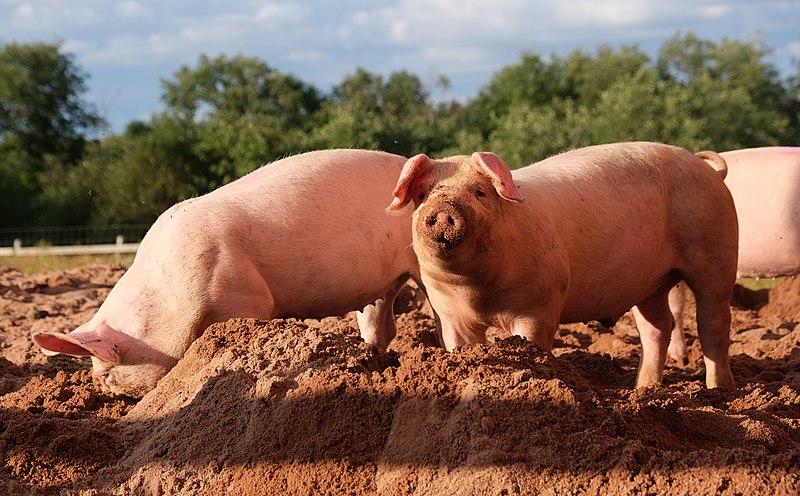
(134, 380)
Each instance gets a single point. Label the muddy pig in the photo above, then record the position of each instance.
(581, 236)
(765, 185)
(305, 236)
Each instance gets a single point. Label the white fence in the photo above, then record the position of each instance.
(106, 249)
(71, 240)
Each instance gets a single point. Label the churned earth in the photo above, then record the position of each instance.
(305, 407)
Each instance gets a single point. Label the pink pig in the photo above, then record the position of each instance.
(305, 236)
(584, 235)
(765, 185)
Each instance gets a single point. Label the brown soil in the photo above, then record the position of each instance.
(304, 407)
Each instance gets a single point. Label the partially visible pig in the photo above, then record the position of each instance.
(305, 236)
(765, 185)
(584, 235)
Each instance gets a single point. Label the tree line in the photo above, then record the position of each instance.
(228, 115)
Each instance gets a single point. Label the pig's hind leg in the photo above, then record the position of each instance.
(713, 328)
(655, 323)
(711, 277)
(677, 343)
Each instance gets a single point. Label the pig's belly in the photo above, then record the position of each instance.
(769, 249)
(610, 298)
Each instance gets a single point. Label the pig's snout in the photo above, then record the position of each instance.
(444, 227)
(443, 221)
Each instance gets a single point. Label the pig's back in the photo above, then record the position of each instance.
(621, 211)
(765, 185)
(317, 221)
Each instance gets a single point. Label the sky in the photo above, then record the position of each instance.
(127, 47)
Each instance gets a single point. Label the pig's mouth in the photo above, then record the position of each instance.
(443, 228)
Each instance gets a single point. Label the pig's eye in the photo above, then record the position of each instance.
(421, 196)
(479, 193)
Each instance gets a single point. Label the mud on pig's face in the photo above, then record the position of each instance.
(457, 200)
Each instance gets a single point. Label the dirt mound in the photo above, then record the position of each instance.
(784, 301)
(305, 407)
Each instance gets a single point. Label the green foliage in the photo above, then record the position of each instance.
(226, 116)
(532, 82)
(43, 123)
(590, 76)
(245, 113)
(395, 115)
(699, 95)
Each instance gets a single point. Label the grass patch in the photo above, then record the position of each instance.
(762, 283)
(59, 263)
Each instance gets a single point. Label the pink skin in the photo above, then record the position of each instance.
(305, 236)
(581, 236)
(765, 185)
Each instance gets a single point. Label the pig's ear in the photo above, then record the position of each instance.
(413, 169)
(493, 167)
(97, 343)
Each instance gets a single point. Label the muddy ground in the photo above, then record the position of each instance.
(294, 407)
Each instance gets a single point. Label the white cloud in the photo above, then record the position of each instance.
(360, 18)
(310, 56)
(343, 33)
(25, 13)
(279, 12)
(129, 8)
(399, 32)
(213, 33)
(716, 11)
(603, 13)
(793, 49)
(76, 46)
(131, 50)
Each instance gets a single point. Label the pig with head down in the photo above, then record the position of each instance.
(765, 185)
(305, 236)
(584, 235)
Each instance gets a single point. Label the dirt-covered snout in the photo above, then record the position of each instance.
(443, 224)
(455, 198)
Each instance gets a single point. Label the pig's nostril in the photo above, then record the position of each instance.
(443, 218)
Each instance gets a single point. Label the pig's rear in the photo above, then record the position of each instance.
(634, 209)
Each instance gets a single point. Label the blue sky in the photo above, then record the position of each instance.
(126, 47)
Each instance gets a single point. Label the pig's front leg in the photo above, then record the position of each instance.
(456, 332)
(376, 321)
(538, 328)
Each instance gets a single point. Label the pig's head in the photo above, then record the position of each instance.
(458, 202)
(121, 364)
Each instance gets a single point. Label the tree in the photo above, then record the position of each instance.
(394, 115)
(731, 98)
(134, 177)
(43, 122)
(590, 75)
(246, 112)
(533, 82)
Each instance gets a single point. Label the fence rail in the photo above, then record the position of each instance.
(71, 240)
(119, 247)
(72, 235)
